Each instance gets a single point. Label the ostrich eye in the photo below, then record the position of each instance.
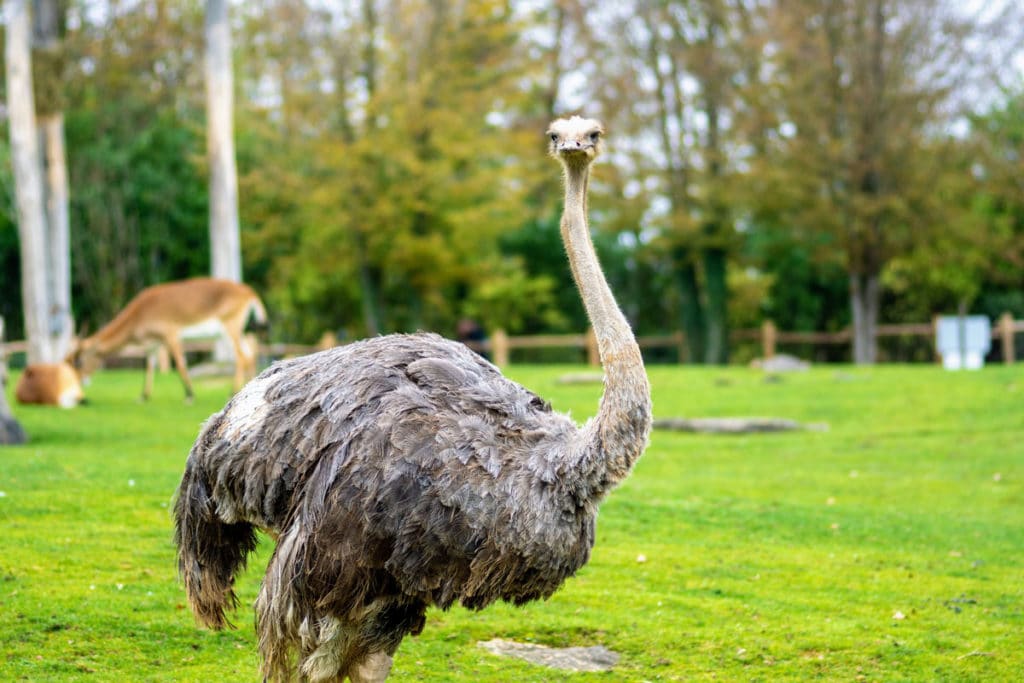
(553, 136)
(595, 136)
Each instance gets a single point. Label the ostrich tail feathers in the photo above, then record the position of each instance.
(210, 551)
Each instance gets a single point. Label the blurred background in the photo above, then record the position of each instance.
(828, 165)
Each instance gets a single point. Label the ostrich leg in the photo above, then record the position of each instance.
(373, 669)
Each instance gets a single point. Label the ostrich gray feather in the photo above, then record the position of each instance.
(398, 472)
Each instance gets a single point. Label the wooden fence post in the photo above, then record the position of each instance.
(768, 337)
(1006, 332)
(593, 356)
(499, 344)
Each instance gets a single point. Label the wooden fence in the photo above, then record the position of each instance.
(770, 337)
(1003, 331)
(500, 345)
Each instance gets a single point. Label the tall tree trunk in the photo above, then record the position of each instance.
(28, 184)
(225, 245)
(692, 314)
(225, 242)
(59, 234)
(716, 351)
(368, 278)
(714, 257)
(864, 302)
(369, 272)
(10, 431)
(48, 23)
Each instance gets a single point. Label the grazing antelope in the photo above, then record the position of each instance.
(159, 314)
(52, 384)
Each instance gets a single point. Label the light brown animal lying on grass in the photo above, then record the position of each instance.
(52, 384)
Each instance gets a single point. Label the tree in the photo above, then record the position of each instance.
(225, 241)
(863, 87)
(27, 183)
(999, 132)
(11, 431)
(402, 165)
(48, 63)
(226, 253)
(134, 124)
(669, 79)
(975, 262)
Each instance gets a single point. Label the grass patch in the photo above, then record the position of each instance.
(888, 547)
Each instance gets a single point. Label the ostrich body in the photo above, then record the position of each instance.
(405, 471)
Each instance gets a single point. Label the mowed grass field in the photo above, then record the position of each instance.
(888, 547)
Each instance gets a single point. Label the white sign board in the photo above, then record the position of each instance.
(963, 341)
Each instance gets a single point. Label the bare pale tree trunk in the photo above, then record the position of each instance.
(46, 37)
(225, 243)
(226, 253)
(58, 250)
(28, 186)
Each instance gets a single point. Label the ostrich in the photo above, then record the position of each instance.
(405, 471)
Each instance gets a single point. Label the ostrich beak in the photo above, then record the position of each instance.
(572, 146)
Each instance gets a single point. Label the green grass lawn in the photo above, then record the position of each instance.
(889, 547)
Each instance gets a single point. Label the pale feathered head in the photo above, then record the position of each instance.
(576, 139)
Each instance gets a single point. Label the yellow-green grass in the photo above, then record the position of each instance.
(888, 547)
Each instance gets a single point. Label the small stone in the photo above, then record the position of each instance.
(595, 658)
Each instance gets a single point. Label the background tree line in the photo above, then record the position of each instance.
(826, 163)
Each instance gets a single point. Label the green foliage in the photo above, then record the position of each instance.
(974, 254)
(10, 260)
(511, 300)
(999, 203)
(538, 244)
(142, 218)
(388, 216)
(807, 292)
(886, 546)
(133, 135)
(393, 176)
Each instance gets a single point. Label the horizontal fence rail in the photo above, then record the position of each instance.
(500, 345)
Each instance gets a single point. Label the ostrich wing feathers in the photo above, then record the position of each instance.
(408, 460)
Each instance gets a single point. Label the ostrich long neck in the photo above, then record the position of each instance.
(614, 439)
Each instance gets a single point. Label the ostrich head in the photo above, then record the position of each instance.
(575, 141)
